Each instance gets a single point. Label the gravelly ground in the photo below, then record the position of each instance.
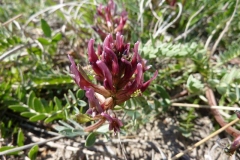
(158, 136)
(153, 141)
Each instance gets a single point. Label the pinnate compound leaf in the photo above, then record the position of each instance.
(32, 154)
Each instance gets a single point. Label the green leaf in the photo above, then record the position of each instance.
(35, 50)
(44, 41)
(52, 118)
(72, 132)
(72, 95)
(27, 114)
(76, 125)
(233, 97)
(32, 154)
(20, 138)
(30, 99)
(65, 124)
(57, 37)
(81, 103)
(49, 108)
(37, 117)
(4, 148)
(194, 85)
(59, 128)
(163, 93)
(103, 129)
(222, 89)
(19, 108)
(80, 94)
(91, 138)
(10, 41)
(46, 28)
(229, 77)
(38, 106)
(58, 104)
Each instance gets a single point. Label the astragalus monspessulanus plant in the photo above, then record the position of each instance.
(120, 71)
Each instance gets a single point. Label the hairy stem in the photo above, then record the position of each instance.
(94, 126)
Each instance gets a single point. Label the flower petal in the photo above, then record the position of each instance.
(79, 78)
(112, 60)
(146, 84)
(93, 102)
(92, 57)
(107, 75)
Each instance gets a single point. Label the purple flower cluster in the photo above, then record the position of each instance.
(108, 20)
(119, 70)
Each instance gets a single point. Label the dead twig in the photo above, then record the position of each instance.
(12, 19)
(205, 106)
(30, 145)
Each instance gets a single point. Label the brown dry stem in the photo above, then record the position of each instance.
(212, 102)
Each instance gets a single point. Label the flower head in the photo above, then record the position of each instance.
(108, 20)
(120, 71)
